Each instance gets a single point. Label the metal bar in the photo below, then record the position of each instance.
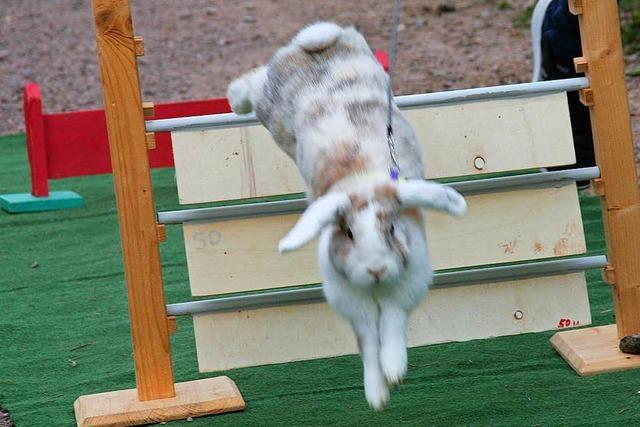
(517, 182)
(405, 102)
(519, 271)
(222, 213)
(532, 180)
(492, 92)
(467, 277)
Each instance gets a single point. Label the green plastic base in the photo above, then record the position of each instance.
(25, 202)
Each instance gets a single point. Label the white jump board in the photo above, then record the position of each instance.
(310, 331)
(508, 134)
(241, 255)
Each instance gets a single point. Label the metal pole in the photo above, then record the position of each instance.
(465, 277)
(405, 102)
(249, 210)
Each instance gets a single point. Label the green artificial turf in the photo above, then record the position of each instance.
(64, 332)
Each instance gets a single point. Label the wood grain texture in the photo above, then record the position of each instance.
(134, 199)
(290, 333)
(610, 121)
(193, 399)
(232, 163)
(509, 134)
(240, 255)
(593, 351)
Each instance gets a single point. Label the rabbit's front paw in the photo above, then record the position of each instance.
(456, 205)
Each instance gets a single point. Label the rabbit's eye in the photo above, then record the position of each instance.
(349, 233)
(345, 229)
(392, 230)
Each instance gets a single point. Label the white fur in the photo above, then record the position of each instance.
(320, 104)
(317, 216)
(431, 195)
(379, 315)
(242, 92)
(318, 36)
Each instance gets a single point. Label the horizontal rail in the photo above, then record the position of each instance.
(543, 179)
(492, 92)
(405, 102)
(466, 277)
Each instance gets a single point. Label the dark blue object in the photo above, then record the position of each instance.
(561, 31)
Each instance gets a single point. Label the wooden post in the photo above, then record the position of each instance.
(613, 141)
(610, 121)
(155, 399)
(134, 198)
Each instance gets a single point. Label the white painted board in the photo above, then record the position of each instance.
(509, 134)
(290, 333)
(241, 255)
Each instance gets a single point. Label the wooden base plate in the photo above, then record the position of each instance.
(193, 399)
(593, 351)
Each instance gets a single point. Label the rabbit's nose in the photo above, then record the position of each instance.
(377, 273)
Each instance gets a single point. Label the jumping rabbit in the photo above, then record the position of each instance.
(323, 97)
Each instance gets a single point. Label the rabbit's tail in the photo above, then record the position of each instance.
(318, 36)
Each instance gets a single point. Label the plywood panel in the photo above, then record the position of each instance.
(509, 134)
(240, 255)
(594, 350)
(198, 398)
(290, 333)
(232, 163)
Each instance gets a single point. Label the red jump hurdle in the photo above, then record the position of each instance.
(64, 145)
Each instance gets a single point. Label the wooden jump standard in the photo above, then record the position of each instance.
(156, 397)
(594, 350)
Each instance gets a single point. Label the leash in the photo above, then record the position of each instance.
(394, 170)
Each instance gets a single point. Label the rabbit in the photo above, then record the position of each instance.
(323, 97)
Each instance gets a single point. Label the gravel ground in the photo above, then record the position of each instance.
(195, 47)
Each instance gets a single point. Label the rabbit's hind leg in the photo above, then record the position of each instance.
(375, 387)
(393, 342)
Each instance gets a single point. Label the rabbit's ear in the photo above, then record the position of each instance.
(425, 194)
(319, 214)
